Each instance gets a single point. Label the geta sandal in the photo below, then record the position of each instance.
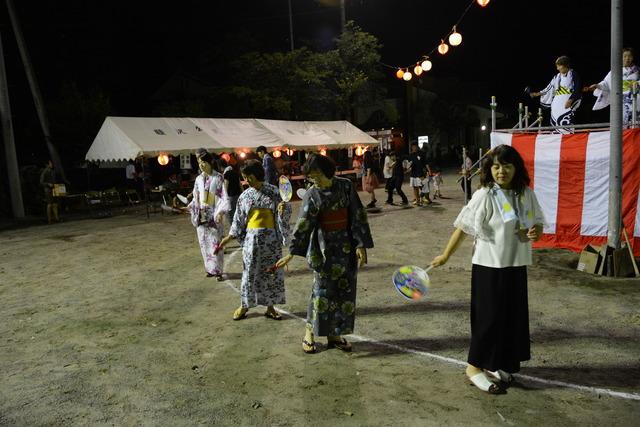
(273, 315)
(240, 313)
(341, 344)
(482, 382)
(308, 347)
(502, 376)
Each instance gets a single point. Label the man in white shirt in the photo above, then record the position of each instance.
(131, 175)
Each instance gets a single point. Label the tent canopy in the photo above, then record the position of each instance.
(122, 138)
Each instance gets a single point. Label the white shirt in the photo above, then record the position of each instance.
(496, 242)
(387, 170)
(130, 171)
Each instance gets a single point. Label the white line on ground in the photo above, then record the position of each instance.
(593, 390)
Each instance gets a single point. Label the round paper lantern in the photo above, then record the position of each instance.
(417, 70)
(407, 76)
(323, 151)
(163, 159)
(360, 151)
(289, 152)
(443, 48)
(482, 3)
(243, 154)
(455, 38)
(399, 73)
(426, 65)
(276, 153)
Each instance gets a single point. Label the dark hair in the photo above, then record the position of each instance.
(319, 162)
(253, 167)
(564, 60)
(505, 154)
(630, 50)
(204, 155)
(261, 149)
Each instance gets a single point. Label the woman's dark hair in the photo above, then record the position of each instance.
(204, 155)
(368, 160)
(261, 149)
(253, 167)
(319, 162)
(505, 154)
(630, 50)
(564, 60)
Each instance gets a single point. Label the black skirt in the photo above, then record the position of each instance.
(499, 318)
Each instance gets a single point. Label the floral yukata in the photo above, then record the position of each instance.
(332, 224)
(209, 199)
(261, 244)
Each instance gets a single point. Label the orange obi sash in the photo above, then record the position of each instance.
(331, 220)
(260, 218)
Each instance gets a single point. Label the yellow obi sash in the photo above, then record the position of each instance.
(260, 218)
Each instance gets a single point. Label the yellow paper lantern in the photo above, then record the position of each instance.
(276, 153)
(417, 70)
(163, 159)
(482, 3)
(443, 48)
(399, 73)
(455, 38)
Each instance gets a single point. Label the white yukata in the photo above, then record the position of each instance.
(261, 247)
(209, 200)
(603, 92)
(555, 95)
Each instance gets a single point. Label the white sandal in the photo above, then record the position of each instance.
(501, 375)
(482, 382)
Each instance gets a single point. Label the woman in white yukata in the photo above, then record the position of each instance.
(563, 94)
(504, 217)
(630, 74)
(261, 225)
(207, 208)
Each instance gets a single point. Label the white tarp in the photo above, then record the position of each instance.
(130, 137)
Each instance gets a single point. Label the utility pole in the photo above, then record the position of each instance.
(291, 26)
(615, 120)
(15, 190)
(35, 90)
(343, 15)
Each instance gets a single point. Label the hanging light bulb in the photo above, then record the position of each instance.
(482, 3)
(163, 159)
(443, 48)
(399, 73)
(417, 70)
(407, 76)
(426, 64)
(455, 38)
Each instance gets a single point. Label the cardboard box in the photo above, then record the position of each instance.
(590, 259)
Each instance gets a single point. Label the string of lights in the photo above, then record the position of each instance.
(424, 64)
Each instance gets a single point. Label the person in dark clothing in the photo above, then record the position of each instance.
(232, 186)
(417, 160)
(269, 165)
(47, 181)
(395, 182)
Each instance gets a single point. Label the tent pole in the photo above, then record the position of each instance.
(615, 118)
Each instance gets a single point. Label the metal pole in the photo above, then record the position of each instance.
(615, 118)
(634, 103)
(520, 115)
(526, 116)
(539, 118)
(291, 26)
(493, 113)
(35, 90)
(343, 15)
(13, 171)
(464, 173)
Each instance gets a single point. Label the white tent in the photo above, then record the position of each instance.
(130, 137)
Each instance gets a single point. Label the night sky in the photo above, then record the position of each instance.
(129, 48)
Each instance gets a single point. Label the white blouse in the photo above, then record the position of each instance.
(497, 243)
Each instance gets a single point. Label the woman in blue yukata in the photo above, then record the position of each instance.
(333, 233)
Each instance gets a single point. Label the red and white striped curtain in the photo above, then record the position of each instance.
(570, 176)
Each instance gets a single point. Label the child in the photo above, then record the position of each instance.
(503, 216)
(425, 189)
(261, 225)
(436, 180)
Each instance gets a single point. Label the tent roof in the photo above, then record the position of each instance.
(130, 137)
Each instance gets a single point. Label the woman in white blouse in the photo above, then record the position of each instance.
(504, 217)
